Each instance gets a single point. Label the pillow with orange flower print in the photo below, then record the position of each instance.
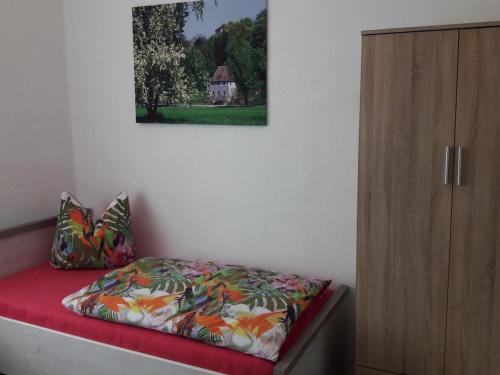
(79, 243)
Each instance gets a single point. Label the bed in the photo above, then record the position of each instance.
(39, 336)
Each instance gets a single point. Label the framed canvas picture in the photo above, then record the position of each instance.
(201, 62)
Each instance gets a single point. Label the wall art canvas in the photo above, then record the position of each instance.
(201, 62)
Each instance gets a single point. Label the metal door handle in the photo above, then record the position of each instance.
(459, 165)
(447, 163)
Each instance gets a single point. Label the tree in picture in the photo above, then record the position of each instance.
(201, 62)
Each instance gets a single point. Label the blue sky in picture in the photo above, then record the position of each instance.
(216, 15)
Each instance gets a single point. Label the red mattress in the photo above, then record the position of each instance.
(34, 296)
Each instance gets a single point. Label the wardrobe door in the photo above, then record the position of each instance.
(473, 334)
(404, 208)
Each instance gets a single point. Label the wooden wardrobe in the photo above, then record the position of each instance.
(428, 267)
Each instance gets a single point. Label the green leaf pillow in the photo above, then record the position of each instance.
(79, 243)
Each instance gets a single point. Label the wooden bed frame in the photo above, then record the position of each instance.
(29, 349)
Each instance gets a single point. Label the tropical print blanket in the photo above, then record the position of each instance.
(245, 309)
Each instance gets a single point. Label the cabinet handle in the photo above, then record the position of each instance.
(459, 166)
(447, 160)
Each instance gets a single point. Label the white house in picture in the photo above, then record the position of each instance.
(223, 88)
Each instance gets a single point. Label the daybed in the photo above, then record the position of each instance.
(39, 336)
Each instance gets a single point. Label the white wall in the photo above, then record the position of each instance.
(281, 196)
(36, 159)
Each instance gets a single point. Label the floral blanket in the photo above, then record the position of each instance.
(245, 309)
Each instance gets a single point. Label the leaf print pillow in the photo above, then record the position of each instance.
(79, 243)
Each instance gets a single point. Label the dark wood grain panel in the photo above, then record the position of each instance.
(473, 334)
(461, 26)
(370, 371)
(407, 119)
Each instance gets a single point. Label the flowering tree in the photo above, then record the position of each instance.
(197, 72)
(159, 53)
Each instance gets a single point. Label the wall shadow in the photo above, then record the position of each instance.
(148, 240)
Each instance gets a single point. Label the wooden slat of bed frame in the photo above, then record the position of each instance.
(28, 227)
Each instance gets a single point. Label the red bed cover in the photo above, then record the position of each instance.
(34, 296)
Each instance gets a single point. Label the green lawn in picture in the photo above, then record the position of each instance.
(208, 115)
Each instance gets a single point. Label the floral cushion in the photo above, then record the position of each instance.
(245, 309)
(79, 243)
